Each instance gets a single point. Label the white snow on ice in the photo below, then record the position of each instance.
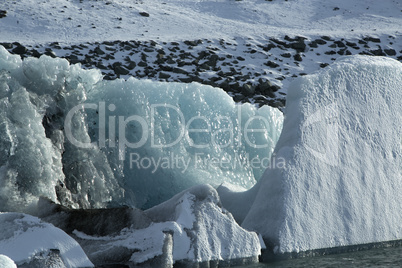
(6, 262)
(201, 229)
(342, 143)
(23, 236)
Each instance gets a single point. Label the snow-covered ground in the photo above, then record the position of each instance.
(32, 21)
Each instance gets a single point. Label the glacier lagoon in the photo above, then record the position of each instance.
(112, 152)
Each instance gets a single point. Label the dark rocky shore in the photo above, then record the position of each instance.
(249, 70)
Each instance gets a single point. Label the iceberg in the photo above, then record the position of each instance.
(29, 242)
(6, 262)
(341, 139)
(93, 147)
(67, 135)
(190, 229)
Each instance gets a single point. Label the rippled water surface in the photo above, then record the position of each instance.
(382, 257)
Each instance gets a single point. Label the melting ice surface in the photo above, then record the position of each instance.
(136, 142)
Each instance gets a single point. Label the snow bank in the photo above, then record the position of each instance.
(342, 144)
(67, 135)
(191, 227)
(24, 238)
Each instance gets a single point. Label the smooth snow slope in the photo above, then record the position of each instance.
(342, 142)
(31, 21)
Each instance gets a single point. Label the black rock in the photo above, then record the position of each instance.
(224, 85)
(163, 75)
(279, 42)
(378, 52)
(271, 64)
(20, 49)
(55, 45)
(238, 97)
(144, 14)
(166, 68)
(327, 38)
(144, 56)
(313, 44)
(299, 46)
(121, 70)
(7, 45)
(341, 52)
(286, 55)
(390, 52)
(298, 57)
(339, 44)
(235, 87)
(331, 52)
(248, 89)
(203, 54)
(131, 65)
(3, 13)
(74, 60)
(98, 222)
(34, 53)
(142, 64)
(269, 47)
(366, 53)
(274, 88)
(264, 85)
(351, 44)
(179, 71)
(191, 43)
(287, 38)
(320, 41)
(99, 65)
(213, 59)
(99, 51)
(372, 39)
(50, 53)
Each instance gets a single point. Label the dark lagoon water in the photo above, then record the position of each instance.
(379, 257)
